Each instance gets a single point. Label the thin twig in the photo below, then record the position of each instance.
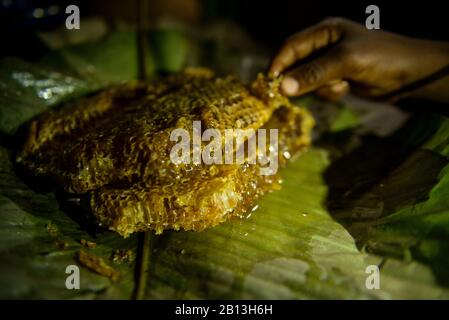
(144, 248)
(142, 265)
(142, 43)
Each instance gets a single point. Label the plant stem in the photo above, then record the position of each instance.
(142, 265)
(143, 259)
(142, 45)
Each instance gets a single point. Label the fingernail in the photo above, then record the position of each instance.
(290, 85)
(274, 74)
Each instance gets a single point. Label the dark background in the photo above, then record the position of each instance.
(272, 21)
(268, 22)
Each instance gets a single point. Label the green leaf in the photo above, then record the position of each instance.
(289, 248)
(170, 50)
(27, 90)
(32, 262)
(346, 119)
(395, 201)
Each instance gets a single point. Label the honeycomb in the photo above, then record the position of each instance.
(114, 148)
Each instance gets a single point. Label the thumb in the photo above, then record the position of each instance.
(311, 75)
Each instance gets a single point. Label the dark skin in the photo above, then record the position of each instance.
(370, 63)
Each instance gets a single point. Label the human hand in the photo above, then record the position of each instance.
(337, 54)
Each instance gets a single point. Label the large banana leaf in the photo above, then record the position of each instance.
(355, 199)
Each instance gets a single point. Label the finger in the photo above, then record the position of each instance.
(333, 90)
(312, 75)
(302, 44)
